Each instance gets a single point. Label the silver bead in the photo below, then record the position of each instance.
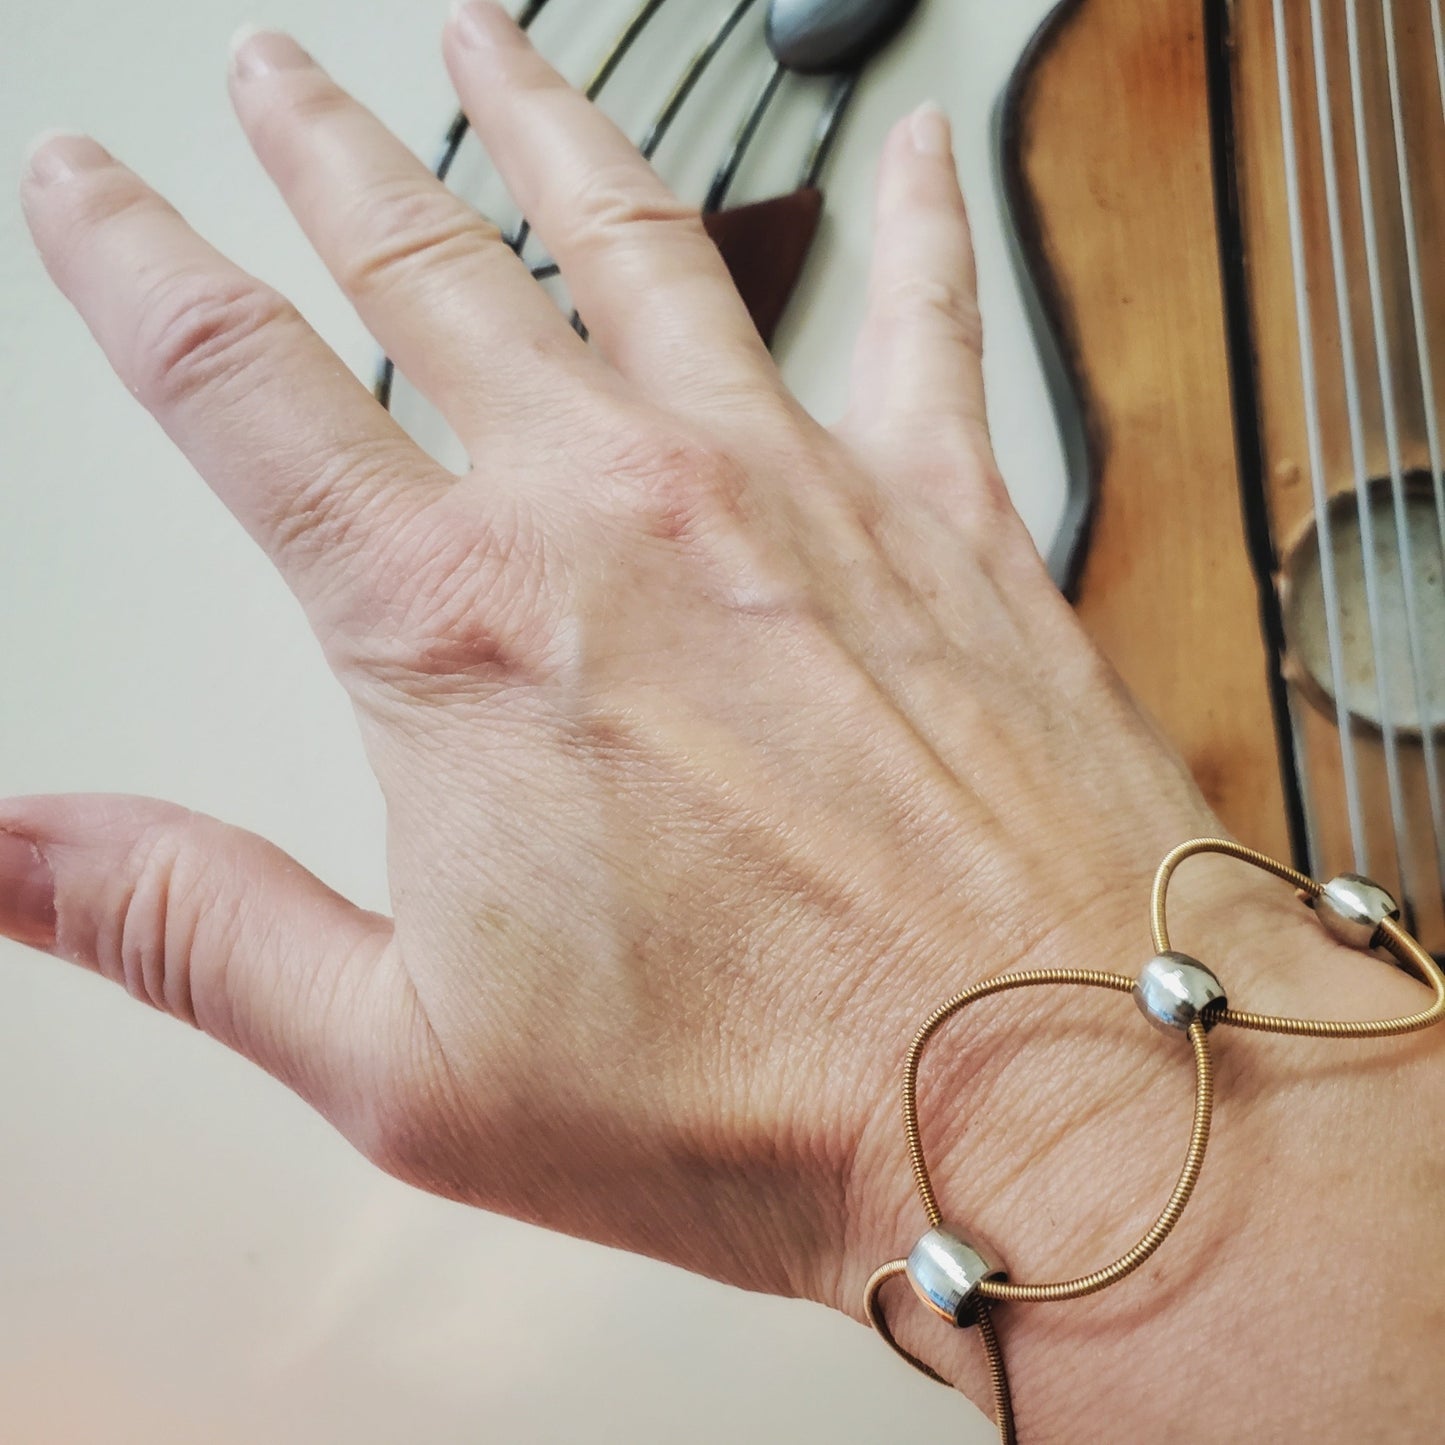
(945, 1272)
(1173, 990)
(817, 36)
(1352, 909)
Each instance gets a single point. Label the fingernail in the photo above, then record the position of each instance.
(480, 22)
(27, 893)
(56, 155)
(263, 52)
(932, 135)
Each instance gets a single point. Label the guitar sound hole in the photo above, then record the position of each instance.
(1365, 673)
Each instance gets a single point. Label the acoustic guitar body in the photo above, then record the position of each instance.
(1234, 237)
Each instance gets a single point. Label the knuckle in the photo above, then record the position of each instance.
(109, 195)
(453, 600)
(148, 944)
(982, 516)
(672, 484)
(609, 201)
(988, 509)
(934, 298)
(402, 228)
(91, 217)
(200, 331)
(308, 98)
(961, 484)
(312, 96)
(322, 514)
(1001, 542)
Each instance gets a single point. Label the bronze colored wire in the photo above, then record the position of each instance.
(1404, 948)
(998, 1371)
(873, 1308)
(1194, 1160)
(1390, 935)
(1003, 1401)
(1158, 1232)
(1090, 978)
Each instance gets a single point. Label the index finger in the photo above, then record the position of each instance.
(289, 439)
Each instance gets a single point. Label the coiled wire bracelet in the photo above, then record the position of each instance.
(1177, 993)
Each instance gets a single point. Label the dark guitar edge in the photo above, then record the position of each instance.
(1047, 311)
(1244, 393)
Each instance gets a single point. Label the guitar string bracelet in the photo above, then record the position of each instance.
(1177, 993)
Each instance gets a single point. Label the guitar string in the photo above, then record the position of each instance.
(1432, 429)
(1412, 255)
(1403, 544)
(1295, 705)
(1359, 843)
(1438, 33)
(1364, 503)
(1438, 28)
(1303, 747)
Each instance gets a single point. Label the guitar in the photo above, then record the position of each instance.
(1230, 212)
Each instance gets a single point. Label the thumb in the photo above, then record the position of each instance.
(215, 926)
(918, 367)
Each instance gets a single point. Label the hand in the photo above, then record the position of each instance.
(717, 748)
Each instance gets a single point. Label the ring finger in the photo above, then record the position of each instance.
(434, 282)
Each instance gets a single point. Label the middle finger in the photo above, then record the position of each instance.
(434, 282)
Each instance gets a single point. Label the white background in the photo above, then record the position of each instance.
(186, 1254)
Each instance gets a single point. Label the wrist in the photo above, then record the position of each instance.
(1055, 1125)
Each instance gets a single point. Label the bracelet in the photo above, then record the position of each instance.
(1176, 993)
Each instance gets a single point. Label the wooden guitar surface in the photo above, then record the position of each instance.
(1109, 130)
(1143, 161)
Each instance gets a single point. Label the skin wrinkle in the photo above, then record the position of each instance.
(307, 515)
(607, 211)
(109, 204)
(221, 916)
(326, 995)
(300, 100)
(415, 233)
(197, 338)
(426, 1088)
(457, 606)
(143, 945)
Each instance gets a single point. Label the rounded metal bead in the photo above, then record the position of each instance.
(816, 36)
(1352, 909)
(945, 1272)
(1174, 990)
